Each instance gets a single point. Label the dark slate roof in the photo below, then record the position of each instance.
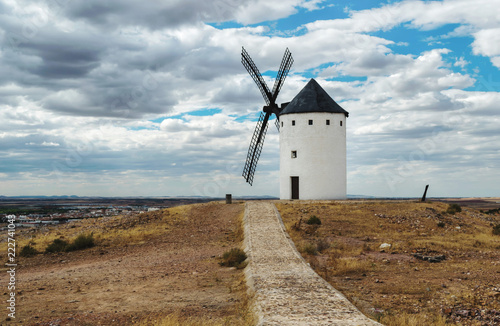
(313, 98)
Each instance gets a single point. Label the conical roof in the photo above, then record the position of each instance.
(313, 98)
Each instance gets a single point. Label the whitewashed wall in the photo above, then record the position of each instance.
(321, 155)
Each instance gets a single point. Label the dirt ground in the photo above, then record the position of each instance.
(159, 263)
(395, 285)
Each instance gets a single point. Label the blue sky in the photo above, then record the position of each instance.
(126, 98)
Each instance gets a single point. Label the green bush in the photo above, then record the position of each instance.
(496, 229)
(234, 258)
(82, 241)
(314, 220)
(28, 251)
(58, 245)
(454, 208)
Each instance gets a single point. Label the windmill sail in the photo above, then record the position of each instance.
(286, 63)
(255, 147)
(270, 97)
(277, 124)
(256, 75)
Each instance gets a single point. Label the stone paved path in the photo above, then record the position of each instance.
(287, 291)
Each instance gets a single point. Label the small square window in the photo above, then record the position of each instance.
(293, 122)
(341, 123)
(327, 122)
(310, 122)
(294, 154)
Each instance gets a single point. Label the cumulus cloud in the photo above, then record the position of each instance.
(487, 43)
(98, 94)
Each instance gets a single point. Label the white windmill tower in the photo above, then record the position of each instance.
(312, 138)
(313, 146)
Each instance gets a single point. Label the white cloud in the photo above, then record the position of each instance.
(50, 144)
(477, 18)
(461, 62)
(104, 99)
(487, 43)
(257, 11)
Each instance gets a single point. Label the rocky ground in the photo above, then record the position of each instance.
(404, 263)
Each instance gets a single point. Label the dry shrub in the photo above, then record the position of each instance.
(407, 319)
(58, 245)
(322, 244)
(309, 248)
(296, 225)
(176, 320)
(28, 251)
(234, 258)
(346, 266)
(454, 208)
(314, 220)
(82, 241)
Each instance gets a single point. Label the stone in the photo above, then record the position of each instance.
(385, 246)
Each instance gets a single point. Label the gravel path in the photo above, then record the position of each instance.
(287, 291)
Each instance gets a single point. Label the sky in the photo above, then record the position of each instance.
(149, 98)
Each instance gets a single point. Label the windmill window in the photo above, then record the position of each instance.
(341, 123)
(282, 123)
(310, 122)
(293, 122)
(327, 122)
(294, 154)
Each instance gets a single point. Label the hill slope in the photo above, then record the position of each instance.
(143, 267)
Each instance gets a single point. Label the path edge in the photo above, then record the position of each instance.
(254, 306)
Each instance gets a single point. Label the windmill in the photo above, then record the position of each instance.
(270, 108)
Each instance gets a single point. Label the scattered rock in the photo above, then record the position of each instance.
(385, 246)
(431, 259)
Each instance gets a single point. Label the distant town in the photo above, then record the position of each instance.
(39, 211)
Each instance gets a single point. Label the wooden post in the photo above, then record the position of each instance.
(425, 193)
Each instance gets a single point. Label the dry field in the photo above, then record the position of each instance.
(158, 268)
(392, 285)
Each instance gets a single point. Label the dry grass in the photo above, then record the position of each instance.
(393, 286)
(176, 320)
(348, 266)
(427, 318)
(200, 230)
(242, 314)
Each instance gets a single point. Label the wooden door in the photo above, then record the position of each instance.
(295, 187)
